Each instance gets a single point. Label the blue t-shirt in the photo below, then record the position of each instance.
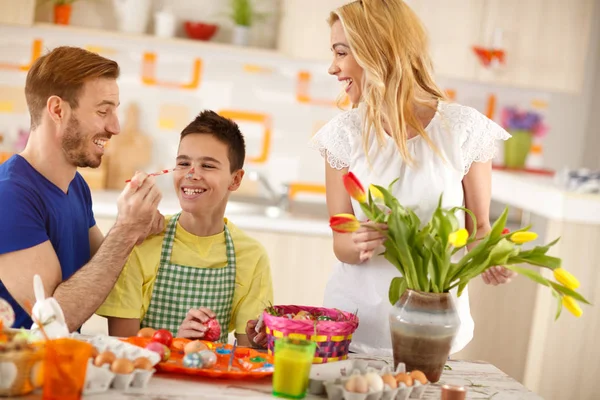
(35, 210)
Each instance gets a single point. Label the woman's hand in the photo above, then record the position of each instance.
(497, 275)
(367, 239)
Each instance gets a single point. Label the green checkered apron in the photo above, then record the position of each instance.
(178, 288)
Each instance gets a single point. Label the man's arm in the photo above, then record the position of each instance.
(123, 327)
(80, 295)
(86, 290)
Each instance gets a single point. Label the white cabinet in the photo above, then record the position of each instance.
(303, 31)
(546, 42)
(453, 27)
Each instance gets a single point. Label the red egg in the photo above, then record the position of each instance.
(163, 336)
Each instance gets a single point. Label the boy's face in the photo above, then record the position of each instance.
(203, 179)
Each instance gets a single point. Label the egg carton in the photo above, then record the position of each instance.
(101, 379)
(121, 349)
(336, 390)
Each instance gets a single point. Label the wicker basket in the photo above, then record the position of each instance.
(20, 370)
(332, 337)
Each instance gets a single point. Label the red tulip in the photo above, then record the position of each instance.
(354, 188)
(344, 223)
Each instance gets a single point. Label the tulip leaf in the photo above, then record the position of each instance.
(569, 292)
(397, 289)
(559, 304)
(534, 276)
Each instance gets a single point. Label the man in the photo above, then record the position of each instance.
(48, 227)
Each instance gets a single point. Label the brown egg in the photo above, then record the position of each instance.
(122, 366)
(388, 379)
(146, 332)
(106, 357)
(419, 376)
(142, 363)
(194, 347)
(404, 378)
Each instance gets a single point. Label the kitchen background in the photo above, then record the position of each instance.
(274, 83)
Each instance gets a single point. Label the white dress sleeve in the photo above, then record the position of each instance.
(478, 137)
(334, 139)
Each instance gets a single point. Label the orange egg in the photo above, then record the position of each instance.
(388, 379)
(178, 344)
(146, 332)
(106, 357)
(194, 347)
(122, 366)
(404, 378)
(419, 376)
(142, 363)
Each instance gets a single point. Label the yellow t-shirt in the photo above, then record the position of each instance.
(131, 295)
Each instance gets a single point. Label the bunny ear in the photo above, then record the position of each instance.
(58, 312)
(38, 288)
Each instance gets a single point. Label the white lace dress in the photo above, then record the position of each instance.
(463, 136)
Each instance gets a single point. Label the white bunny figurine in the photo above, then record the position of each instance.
(48, 312)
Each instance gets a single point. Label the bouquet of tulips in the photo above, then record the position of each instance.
(423, 252)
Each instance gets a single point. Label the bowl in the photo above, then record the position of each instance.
(200, 30)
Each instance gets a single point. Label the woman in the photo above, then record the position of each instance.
(401, 126)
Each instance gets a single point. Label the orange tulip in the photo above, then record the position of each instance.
(344, 223)
(354, 188)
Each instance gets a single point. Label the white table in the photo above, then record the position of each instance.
(482, 381)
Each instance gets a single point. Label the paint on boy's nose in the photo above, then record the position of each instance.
(190, 174)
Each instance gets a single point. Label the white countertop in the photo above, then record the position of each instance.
(533, 193)
(539, 195)
(105, 206)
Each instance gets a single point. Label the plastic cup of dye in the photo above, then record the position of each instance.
(293, 360)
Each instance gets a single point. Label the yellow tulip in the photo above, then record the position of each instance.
(458, 238)
(570, 304)
(376, 193)
(523, 237)
(566, 278)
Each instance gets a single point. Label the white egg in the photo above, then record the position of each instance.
(374, 381)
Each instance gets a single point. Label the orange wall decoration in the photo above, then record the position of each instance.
(303, 93)
(36, 52)
(149, 74)
(256, 69)
(263, 119)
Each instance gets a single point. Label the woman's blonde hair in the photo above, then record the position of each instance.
(389, 42)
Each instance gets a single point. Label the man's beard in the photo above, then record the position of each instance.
(75, 146)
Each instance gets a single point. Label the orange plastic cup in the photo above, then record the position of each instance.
(65, 366)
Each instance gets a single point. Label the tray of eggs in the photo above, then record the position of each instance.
(377, 384)
(118, 365)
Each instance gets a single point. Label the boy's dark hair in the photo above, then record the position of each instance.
(224, 130)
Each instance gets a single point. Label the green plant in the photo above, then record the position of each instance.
(422, 253)
(243, 14)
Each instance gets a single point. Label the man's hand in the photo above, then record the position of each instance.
(157, 226)
(497, 275)
(257, 339)
(193, 326)
(137, 205)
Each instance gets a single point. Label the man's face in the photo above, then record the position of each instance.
(92, 123)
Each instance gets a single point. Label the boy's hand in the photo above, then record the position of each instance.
(257, 339)
(193, 326)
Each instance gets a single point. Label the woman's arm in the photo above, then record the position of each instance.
(477, 187)
(352, 248)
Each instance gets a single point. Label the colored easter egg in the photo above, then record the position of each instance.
(192, 360)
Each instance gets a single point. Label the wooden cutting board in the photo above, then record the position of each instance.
(128, 152)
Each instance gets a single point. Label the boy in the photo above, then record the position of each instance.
(202, 266)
